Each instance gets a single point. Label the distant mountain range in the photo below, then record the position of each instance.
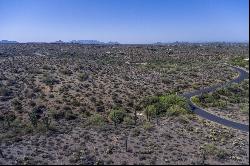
(86, 42)
(92, 42)
(73, 41)
(7, 41)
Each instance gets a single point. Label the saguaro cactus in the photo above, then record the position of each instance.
(33, 119)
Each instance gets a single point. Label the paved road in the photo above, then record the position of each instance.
(243, 74)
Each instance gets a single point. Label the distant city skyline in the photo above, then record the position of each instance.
(125, 21)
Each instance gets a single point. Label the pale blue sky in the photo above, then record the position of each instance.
(125, 21)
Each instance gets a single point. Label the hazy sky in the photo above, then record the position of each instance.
(125, 21)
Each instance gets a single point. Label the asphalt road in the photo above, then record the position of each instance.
(243, 74)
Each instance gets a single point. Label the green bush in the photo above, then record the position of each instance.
(219, 103)
(171, 100)
(208, 98)
(117, 115)
(96, 120)
(244, 108)
(176, 110)
(160, 105)
(224, 92)
(196, 100)
(209, 149)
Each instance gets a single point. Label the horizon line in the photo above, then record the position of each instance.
(160, 42)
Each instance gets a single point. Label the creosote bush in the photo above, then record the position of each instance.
(83, 76)
(66, 72)
(148, 126)
(69, 115)
(17, 105)
(117, 115)
(50, 80)
(4, 91)
(176, 110)
(57, 114)
(128, 120)
(96, 120)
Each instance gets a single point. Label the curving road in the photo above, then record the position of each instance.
(243, 74)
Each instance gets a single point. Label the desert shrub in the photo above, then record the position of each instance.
(150, 100)
(9, 118)
(235, 88)
(4, 91)
(211, 149)
(148, 126)
(171, 100)
(136, 132)
(117, 115)
(47, 67)
(195, 86)
(207, 98)
(196, 100)
(176, 110)
(67, 108)
(166, 81)
(57, 114)
(69, 115)
(216, 95)
(66, 71)
(50, 80)
(221, 154)
(83, 76)
(183, 119)
(75, 103)
(128, 120)
(160, 105)
(223, 91)
(39, 110)
(17, 105)
(96, 120)
(244, 108)
(219, 103)
(51, 96)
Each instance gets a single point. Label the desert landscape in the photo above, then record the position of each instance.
(69, 103)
